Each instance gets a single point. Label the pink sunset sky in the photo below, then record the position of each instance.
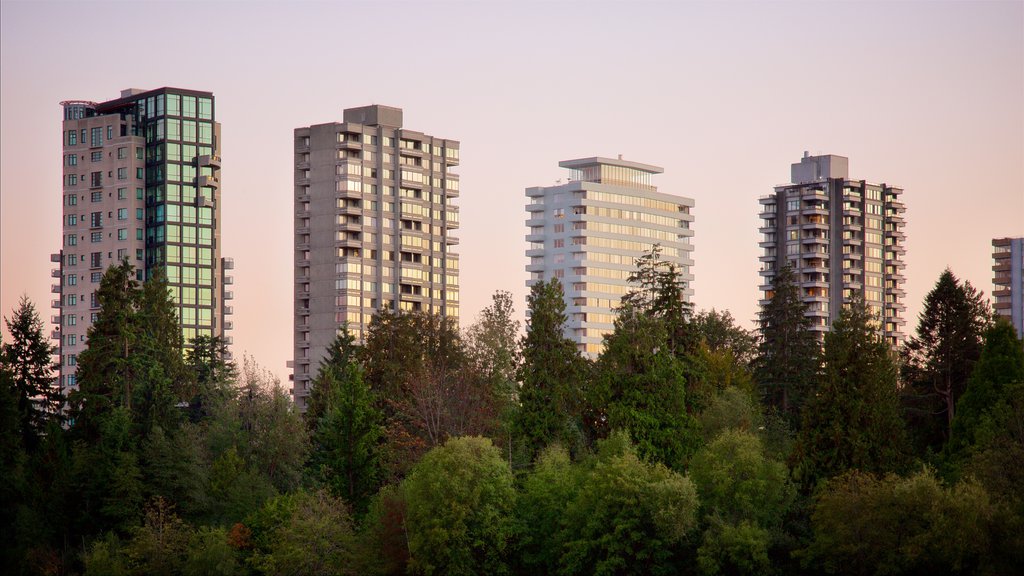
(928, 96)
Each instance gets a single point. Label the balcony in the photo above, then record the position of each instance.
(55, 258)
(229, 263)
(229, 295)
(55, 334)
(229, 310)
(451, 241)
(205, 181)
(55, 288)
(229, 325)
(228, 280)
(210, 160)
(55, 304)
(55, 319)
(55, 273)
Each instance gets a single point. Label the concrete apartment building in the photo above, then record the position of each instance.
(141, 182)
(589, 231)
(842, 237)
(374, 218)
(1008, 280)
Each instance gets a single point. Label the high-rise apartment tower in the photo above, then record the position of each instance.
(142, 184)
(589, 232)
(1008, 270)
(374, 219)
(842, 237)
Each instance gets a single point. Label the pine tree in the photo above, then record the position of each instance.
(787, 360)
(853, 419)
(28, 361)
(939, 360)
(552, 375)
(342, 353)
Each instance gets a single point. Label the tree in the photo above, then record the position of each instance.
(939, 360)
(865, 524)
(744, 496)
(628, 516)
(1001, 364)
(209, 362)
(552, 375)
(494, 349)
(641, 387)
(459, 500)
(342, 353)
(719, 331)
(307, 533)
(274, 439)
(542, 529)
(852, 421)
(787, 361)
(28, 360)
(658, 293)
(346, 444)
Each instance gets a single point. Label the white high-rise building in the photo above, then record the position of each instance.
(589, 232)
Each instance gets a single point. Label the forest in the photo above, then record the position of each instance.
(690, 446)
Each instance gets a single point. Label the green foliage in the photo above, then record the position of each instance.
(494, 350)
(459, 500)
(641, 387)
(383, 540)
(158, 546)
(346, 443)
(737, 482)
(787, 362)
(627, 516)
(28, 364)
(209, 554)
(542, 528)
(853, 420)
(310, 533)
(552, 375)
(939, 360)
(1000, 365)
(721, 335)
(208, 360)
(734, 549)
(658, 294)
(106, 558)
(342, 353)
(731, 409)
(864, 524)
(274, 438)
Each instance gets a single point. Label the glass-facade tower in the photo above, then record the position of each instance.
(141, 182)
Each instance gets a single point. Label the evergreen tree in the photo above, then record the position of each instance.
(721, 334)
(209, 363)
(341, 353)
(1001, 364)
(641, 387)
(939, 360)
(346, 443)
(853, 419)
(552, 375)
(493, 346)
(28, 361)
(787, 361)
(659, 294)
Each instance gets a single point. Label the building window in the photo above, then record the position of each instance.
(72, 159)
(96, 156)
(96, 137)
(139, 174)
(122, 234)
(72, 200)
(96, 220)
(72, 219)
(72, 279)
(96, 237)
(96, 196)
(122, 213)
(122, 173)
(96, 260)
(72, 137)
(96, 179)
(95, 277)
(72, 179)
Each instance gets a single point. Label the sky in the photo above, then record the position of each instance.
(927, 96)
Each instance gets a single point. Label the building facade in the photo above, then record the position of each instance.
(842, 237)
(141, 182)
(374, 224)
(589, 232)
(1008, 280)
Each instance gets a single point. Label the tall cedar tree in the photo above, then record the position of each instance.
(659, 294)
(342, 352)
(28, 361)
(1000, 366)
(852, 421)
(641, 387)
(939, 360)
(787, 362)
(209, 362)
(134, 357)
(348, 431)
(552, 375)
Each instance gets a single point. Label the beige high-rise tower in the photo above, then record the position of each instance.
(374, 218)
(141, 183)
